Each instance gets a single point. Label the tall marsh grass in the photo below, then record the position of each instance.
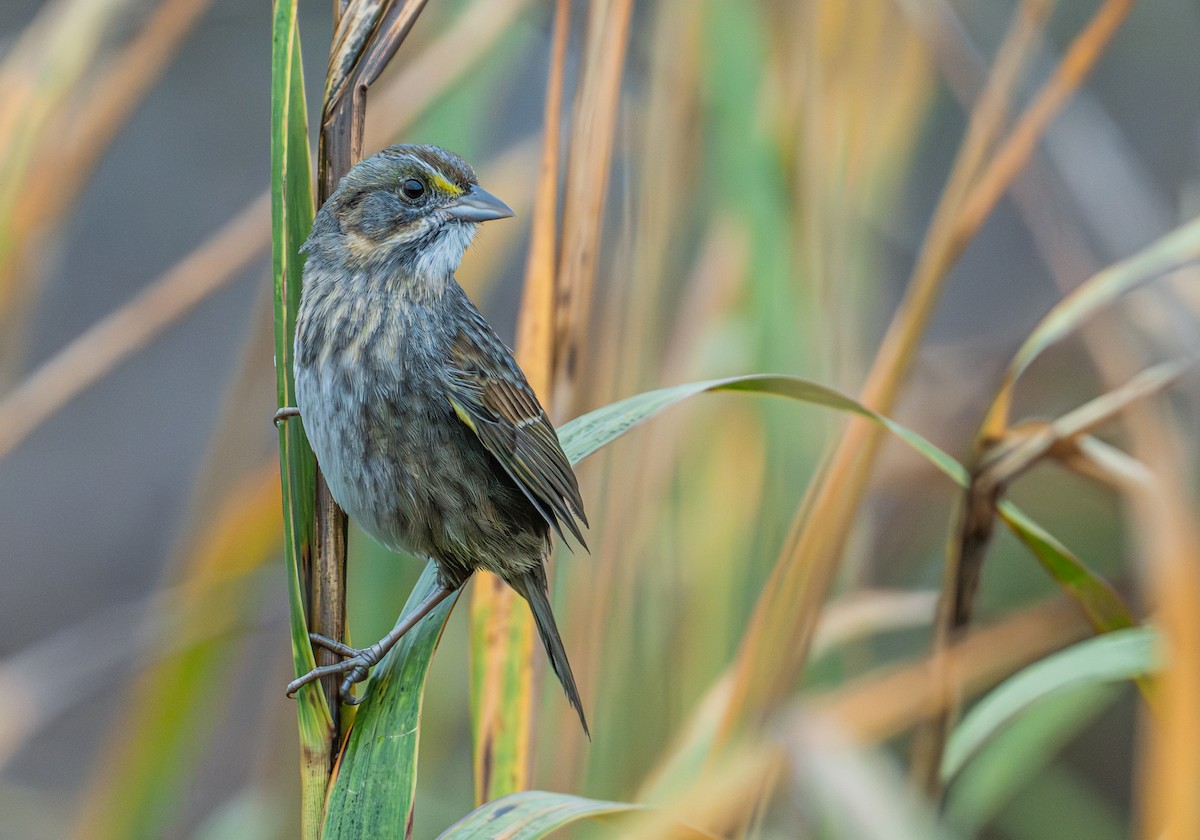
(888, 444)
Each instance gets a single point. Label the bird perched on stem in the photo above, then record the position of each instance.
(424, 426)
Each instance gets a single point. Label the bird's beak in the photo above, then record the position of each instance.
(479, 205)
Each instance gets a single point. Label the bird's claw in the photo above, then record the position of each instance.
(284, 413)
(356, 665)
(333, 645)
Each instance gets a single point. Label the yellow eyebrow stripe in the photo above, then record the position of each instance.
(444, 185)
(438, 181)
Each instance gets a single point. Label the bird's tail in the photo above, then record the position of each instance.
(532, 587)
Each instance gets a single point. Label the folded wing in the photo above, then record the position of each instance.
(491, 396)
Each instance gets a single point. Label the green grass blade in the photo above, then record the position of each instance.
(1017, 758)
(1179, 247)
(1120, 655)
(530, 815)
(292, 212)
(374, 789)
(584, 435)
(1103, 606)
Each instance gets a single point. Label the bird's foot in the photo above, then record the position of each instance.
(355, 666)
(358, 662)
(286, 412)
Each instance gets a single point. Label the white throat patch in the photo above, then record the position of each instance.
(442, 256)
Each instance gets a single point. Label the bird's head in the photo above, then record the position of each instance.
(414, 208)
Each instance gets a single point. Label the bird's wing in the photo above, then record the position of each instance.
(491, 396)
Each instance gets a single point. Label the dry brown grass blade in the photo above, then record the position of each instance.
(1168, 533)
(1004, 462)
(354, 24)
(393, 28)
(810, 557)
(535, 322)
(722, 799)
(1171, 767)
(1059, 237)
(786, 615)
(879, 706)
(945, 240)
(503, 742)
(1075, 65)
(644, 262)
(1103, 462)
(98, 350)
(502, 631)
(54, 122)
(427, 74)
(991, 110)
(104, 111)
(870, 710)
(962, 570)
(870, 611)
(589, 161)
(368, 34)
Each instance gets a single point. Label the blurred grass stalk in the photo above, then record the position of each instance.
(502, 639)
(63, 99)
(553, 329)
(1166, 527)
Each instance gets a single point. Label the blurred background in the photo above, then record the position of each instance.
(775, 166)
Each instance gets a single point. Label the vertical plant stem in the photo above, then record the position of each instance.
(502, 639)
(291, 217)
(340, 147)
(552, 330)
(588, 166)
(327, 591)
(327, 571)
(1166, 520)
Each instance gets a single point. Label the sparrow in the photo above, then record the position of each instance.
(425, 428)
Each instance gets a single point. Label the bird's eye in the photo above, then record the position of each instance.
(412, 189)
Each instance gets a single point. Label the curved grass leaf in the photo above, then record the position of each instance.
(1017, 758)
(292, 212)
(529, 815)
(376, 778)
(1176, 249)
(1120, 655)
(584, 435)
(1099, 601)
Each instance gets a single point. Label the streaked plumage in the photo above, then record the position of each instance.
(424, 426)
